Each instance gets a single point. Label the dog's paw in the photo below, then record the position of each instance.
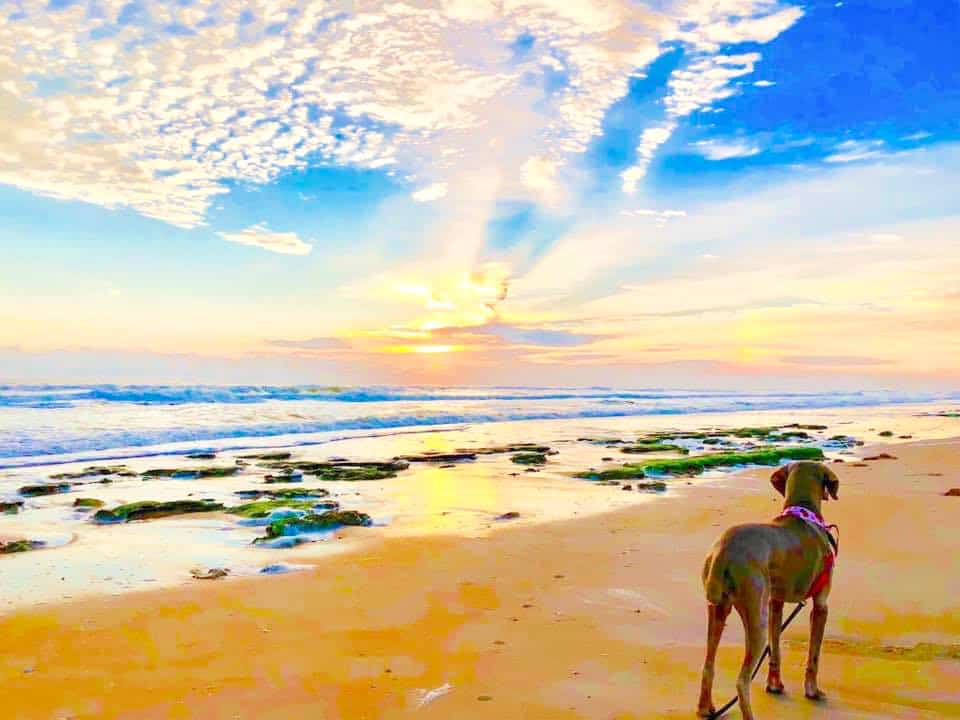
(775, 688)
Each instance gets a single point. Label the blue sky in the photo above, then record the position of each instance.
(689, 192)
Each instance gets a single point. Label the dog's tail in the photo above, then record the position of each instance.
(716, 579)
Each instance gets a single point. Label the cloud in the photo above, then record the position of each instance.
(707, 26)
(317, 343)
(660, 217)
(260, 236)
(430, 192)
(764, 83)
(856, 150)
(726, 149)
(540, 337)
(650, 141)
(539, 174)
(833, 360)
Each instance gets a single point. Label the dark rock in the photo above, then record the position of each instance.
(18, 546)
(512, 515)
(214, 573)
(881, 456)
(202, 456)
(440, 457)
(11, 507)
(952, 492)
(268, 456)
(627, 487)
(37, 490)
(88, 503)
(529, 458)
(319, 522)
(92, 471)
(149, 509)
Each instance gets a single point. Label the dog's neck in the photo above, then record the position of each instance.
(803, 496)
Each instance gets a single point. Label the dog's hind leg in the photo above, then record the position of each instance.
(717, 614)
(774, 683)
(818, 622)
(753, 611)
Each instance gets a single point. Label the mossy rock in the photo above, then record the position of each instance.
(11, 507)
(191, 473)
(799, 426)
(700, 463)
(263, 508)
(344, 471)
(268, 456)
(201, 456)
(886, 433)
(529, 458)
(88, 503)
(653, 448)
(150, 509)
(440, 457)
(282, 493)
(93, 471)
(19, 546)
(504, 449)
(316, 522)
(48, 489)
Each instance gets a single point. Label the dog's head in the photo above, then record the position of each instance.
(806, 480)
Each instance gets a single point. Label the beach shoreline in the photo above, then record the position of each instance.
(597, 617)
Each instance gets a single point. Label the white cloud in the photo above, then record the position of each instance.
(430, 192)
(726, 149)
(166, 109)
(650, 141)
(660, 217)
(764, 83)
(260, 236)
(856, 150)
(707, 26)
(539, 173)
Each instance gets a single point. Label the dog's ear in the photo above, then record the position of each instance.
(779, 479)
(831, 484)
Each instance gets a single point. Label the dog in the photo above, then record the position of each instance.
(756, 568)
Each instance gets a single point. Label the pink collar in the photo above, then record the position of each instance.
(810, 517)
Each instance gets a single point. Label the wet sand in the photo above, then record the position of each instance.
(599, 617)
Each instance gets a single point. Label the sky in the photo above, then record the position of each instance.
(696, 193)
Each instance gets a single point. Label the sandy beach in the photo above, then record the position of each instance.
(600, 617)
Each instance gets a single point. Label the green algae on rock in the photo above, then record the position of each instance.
(88, 503)
(642, 448)
(503, 449)
(94, 471)
(315, 522)
(150, 509)
(19, 546)
(282, 493)
(700, 463)
(268, 456)
(48, 489)
(529, 458)
(263, 508)
(191, 473)
(11, 507)
(440, 457)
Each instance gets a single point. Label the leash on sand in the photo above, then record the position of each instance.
(766, 652)
(835, 544)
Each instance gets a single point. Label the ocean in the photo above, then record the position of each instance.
(48, 423)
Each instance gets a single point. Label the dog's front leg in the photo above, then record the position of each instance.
(818, 622)
(774, 683)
